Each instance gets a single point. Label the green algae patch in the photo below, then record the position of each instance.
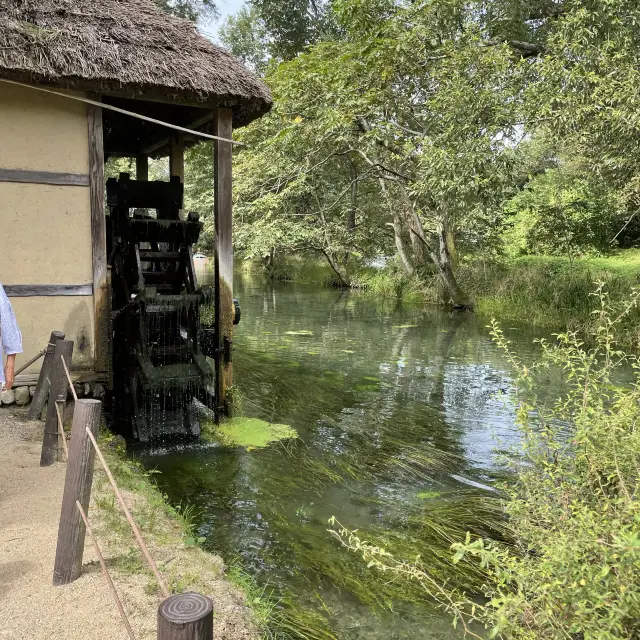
(428, 495)
(249, 433)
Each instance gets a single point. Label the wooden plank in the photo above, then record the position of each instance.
(44, 177)
(101, 297)
(42, 386)
(58, 386)
(38, 290)
(30, 379)
(224, 251)
(77, 487)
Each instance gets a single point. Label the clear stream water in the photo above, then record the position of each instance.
(398, 408)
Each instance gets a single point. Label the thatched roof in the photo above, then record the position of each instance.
(129, 47)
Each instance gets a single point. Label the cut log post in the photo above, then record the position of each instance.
(42, 387)
(77, 487)
(186, 616)
(58, 386)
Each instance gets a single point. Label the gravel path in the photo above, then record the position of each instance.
(30, 607)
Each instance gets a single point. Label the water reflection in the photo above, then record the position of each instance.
(398, 411)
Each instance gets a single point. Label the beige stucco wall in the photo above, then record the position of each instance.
(45, 234)
(37, 317)
(42, 132)
(45, 230)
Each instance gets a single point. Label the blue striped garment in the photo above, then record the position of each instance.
(10, 336)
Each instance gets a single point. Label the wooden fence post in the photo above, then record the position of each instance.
(58, 387)
(77, 486)
(42, 387)
(60, 401)
(186, 616)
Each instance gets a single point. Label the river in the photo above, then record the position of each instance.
(402, 414)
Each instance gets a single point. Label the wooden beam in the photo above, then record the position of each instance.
(224, 254)
(142, 167)
(101, 297)
(44, 177)
(176, 157)
(48, 290)
(195, 124)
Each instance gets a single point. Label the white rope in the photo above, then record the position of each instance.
(124, 111)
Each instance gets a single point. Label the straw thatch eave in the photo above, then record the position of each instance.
(128, 48)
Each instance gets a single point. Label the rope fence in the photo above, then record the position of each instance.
(105, 572)
(186, 616)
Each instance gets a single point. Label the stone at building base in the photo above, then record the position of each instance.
(22, 396)
(32, 391)
(8, 397)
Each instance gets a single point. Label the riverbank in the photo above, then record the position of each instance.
(30, 498)
(544, 292)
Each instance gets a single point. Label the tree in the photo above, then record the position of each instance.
(189, 9)
(245, 35)
(409, 106)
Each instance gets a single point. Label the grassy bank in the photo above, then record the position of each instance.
(241, 611)
(548, 292)
(554, 292)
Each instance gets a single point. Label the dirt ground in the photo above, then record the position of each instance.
(30, 607)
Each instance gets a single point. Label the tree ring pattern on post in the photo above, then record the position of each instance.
(184, 608)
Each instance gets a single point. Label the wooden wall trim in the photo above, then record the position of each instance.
(37, 290)
(44, 177)
(101, 299)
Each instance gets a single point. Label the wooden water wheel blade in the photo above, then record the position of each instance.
(160, 256)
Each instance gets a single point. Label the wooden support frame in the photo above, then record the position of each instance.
(101, 298)
(142, 167)
(176, 157)
(224, 308)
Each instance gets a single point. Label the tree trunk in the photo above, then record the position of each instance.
(442, 260)
(333, 263)
(398, 232)
(418, 240)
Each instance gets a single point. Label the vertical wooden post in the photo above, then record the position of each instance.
(142, 167)
(98, 239)
(42, 387)
(58, 387)
(186, 616)
(77, 486)
(176, 157)
(176, 160)
(60, 401)
(224, 252)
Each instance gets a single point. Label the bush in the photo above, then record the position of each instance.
(572, 569)
(561, 213)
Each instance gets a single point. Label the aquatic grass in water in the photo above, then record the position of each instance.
(361, 456)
